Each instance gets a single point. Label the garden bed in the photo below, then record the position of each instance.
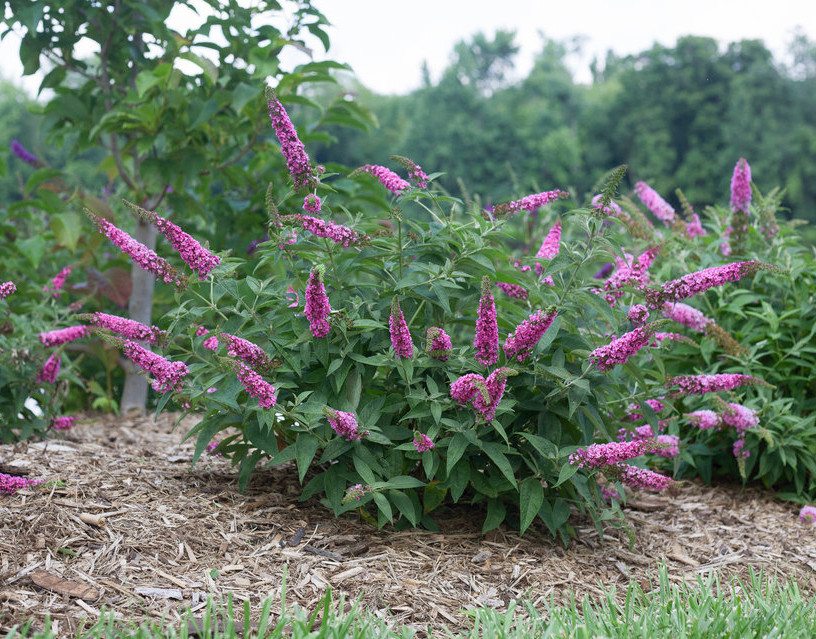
(169, 536)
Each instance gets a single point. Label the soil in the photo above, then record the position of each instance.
(123, 524)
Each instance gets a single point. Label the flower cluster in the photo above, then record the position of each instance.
(702, 384)
(613, 209)
(128, 328)
(484, 394)
(704, 419)
(604, 271)
(211, 449)
(337, 233)
(317, 303)
(549, 249)
(400, 335)
(638, 314)
(387, 177)
(58, 281)
(344, 424)
(10, 484)
(699, 281)
(49, 371)
(249, 353)
(521, 342)
(736, 416)
(189, 249)
(741, 187)
(256, 386)
(415, 172)
(486, 341)
(620, 349)
(639, 478)
(142, 256)
(655, 404)
(694, 227)
(629, 272)
(422, 442)
(808, 514)
(168, 376)
(63, 335)
(662, 210)
(63, 423)
(356, 493)
(686, 315)
(297, 161)
(6, 289)
(311, 203)
(513, 290)
(438, 343)
(529, 203)
(602, 455)
(669, 446)
(24, 154)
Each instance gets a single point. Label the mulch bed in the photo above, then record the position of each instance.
(133, 530)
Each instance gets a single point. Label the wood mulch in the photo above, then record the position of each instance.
(128, 527)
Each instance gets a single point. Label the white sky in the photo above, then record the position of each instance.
(386, 41)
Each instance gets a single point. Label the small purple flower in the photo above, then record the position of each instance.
(422, 442)
(50, 369)
(486, 341)
(127, 328)
(311, 203)
(741, 187)
(344, 424)
(63, 423)
(317, 303)
(6, 289)
(620, 349)
(438, 343)
(387, 177)
(662, 210)
(63, 335)
(513, 290)
(702, 384)
(356, 493)
(529, 203)
(602, 455)
(400, 335)
(256, 386)
(167, 375)
(24, 154)
(58, 281)
(521, 342)
(808, 514)
(10, 484)
(638, 314)
(297, 161)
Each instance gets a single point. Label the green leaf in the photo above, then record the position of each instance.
(455, 450)
(531, 496)
(545, 447)
(560, 513)
(242, 94)
(383, 506)
(67, 228)
(354, 386)
(363, 470)
(495, 515)
(494, 451)
(401, 481)
(306, 446)
(33, 248)
(405, 506)
(567, 471)
(459, 479)
(39, 176)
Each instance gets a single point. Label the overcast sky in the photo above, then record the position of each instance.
(386, 41)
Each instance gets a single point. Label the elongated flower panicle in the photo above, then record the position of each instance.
(337, 233)
(167, 375)
(699, 281)
(549, 249)
(486, 341)
(465, 388)
(484, 394)
(662, 210)
(344, 424)
(529, 203)
(50, 369)
(63, 423)
(741, 187)
(641, 478)
(386, 177)
(356, 493)
(251, 354)
(704, 419)
(630, 272)
(702, 384)
(6, 289)
(638, 314)
(415, 172)
(438, 343)
(660, 337)
(192, 253)
(400, 335)
(142, 256)
(655, 404)
(686, 315)
(57, 282)
(808, 514)
(669, 446)
(24, 154)
(297, 161)
(422, 442)
(63, 335)
(256, 386)
(513, 290)
(127, 328)
(694, 227)
(311, 203)
(10, 484)
(602, 455)
(521, 342)
(619, 350)
(317, 303)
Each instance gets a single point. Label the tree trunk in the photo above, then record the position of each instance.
(140, 308)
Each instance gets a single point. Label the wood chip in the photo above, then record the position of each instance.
(160, 593)
(323, 553)
(93, 520)
(297, 537)
(52, 582)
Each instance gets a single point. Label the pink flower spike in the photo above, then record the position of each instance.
(521, 342)
(337, 233)
(6, 289)
(704, 419)
(58, 281)
(530, 203)
(694, 227)
(356, 493)
(297, 161)
(670, 446)
(387, 177)
(142, 256)
(438, 343)
(167, 375)
(702, 384)
(400, 335)
(63, 335)
(686, 315)
(741, 187)
(552, 243)
(619, 350)
(256, 386)
(251, 354)
(317, 303)
(127, 328)
(630, 272)
(422, 442)
(662, 210)
(641, 478)
(513, 290)
(50, 369)
(344, 424)
(10, 484)
(311, 203)
(638, 314)
(63, 423)
(602, 455)
(486, 341)
(808, 514)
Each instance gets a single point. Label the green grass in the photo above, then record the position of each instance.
(760, 607)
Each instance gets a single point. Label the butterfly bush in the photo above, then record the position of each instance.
(337, 233)
(6, 289)
(64, 422)
(514, 290)
(50, 369)
(128, 328)
(638, 314)
(10, 484)
(24, 154)
(422, 442)
(62, 336)
(386, 177)
(344, 424)
(620, 349)
(400, 335)
(57, 282)
(167, 375)
(297, 161)
(438, 343)
(521, 342)
(629, 272)
(549, 249)
(311, 203)
(662, 210)
(686, 315)
(529, 203)
(317, 304)
(486, 342)
(808, 514)
(256, 386)
(703, 384)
